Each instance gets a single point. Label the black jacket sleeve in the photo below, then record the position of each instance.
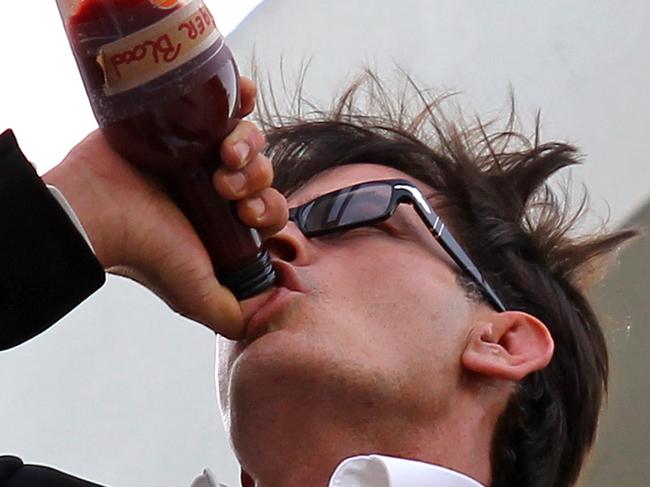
(46, 269)
(46, 266)
(13, 473)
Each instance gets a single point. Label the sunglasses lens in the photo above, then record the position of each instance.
(347, 207)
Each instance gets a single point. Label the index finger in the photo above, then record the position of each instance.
(248, 92)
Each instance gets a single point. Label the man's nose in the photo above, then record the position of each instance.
(290, 245)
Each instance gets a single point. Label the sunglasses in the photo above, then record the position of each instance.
(372, 202)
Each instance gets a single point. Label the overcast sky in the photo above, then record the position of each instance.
(41, 94)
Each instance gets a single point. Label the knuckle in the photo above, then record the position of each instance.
(260, 172)
(230, 184)
(278, 210)
(246, 213)
(243, 144)
(267, 174)
(260, 138)
(241, 133)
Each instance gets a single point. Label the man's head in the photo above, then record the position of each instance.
(384, 345)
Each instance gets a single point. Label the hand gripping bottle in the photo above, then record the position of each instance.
(164, 89)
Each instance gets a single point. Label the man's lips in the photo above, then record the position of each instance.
(258, 324)
(259, 310)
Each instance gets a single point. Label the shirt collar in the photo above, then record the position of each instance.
(379, 471)
(383, 471)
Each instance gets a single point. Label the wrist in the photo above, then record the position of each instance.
(77, 194)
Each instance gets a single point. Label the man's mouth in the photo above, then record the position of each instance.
(259, 311)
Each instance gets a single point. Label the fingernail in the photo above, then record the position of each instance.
(242, 150)
(235, 181)
(258, 206)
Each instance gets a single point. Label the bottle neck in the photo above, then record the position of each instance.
(238, 257)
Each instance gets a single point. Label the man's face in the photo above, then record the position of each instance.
(375, 332)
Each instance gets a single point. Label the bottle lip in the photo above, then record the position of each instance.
(252, 279)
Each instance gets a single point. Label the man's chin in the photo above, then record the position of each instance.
(280, 358)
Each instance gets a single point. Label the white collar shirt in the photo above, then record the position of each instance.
(379, 471)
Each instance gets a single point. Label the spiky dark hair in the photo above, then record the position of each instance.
(514, 226)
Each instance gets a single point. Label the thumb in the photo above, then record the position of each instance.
(190, 288)
(213, 305)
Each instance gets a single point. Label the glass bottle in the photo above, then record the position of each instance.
(164, 89)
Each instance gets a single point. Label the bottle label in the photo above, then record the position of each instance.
(164, 4)
(160, 48)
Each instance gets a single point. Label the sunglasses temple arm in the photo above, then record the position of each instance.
(456, 252)
(463, 260)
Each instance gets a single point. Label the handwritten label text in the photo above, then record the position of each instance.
(158, 49)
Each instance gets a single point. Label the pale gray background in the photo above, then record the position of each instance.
(122, 391)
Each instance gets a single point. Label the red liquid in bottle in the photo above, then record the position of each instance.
(170, 120)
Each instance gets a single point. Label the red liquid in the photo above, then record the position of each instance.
(173, 127)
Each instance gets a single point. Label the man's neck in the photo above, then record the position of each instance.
(310, 457)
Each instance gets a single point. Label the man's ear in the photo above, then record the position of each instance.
(508, 345)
